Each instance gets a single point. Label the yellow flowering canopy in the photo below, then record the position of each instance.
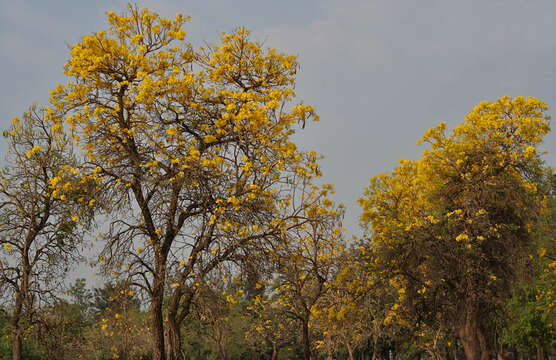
(181, 127)
(192, 144)
(452, 229)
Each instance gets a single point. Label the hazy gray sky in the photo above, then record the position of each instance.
(378, 72)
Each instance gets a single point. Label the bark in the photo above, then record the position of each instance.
(175, 319)
(222, 351)
(305, 338)
(350, 351)
(540, 352)
(16, 332)
(174, 340)
(467, 334)
(375, 347)
(485, 353)
(274, 351)
(329, 346)
(16, 344)
(157, 323)
(17, 335)
(499, 349)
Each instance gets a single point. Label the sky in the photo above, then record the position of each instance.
(379, 72)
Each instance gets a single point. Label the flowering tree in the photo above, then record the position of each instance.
(39, 228)
(304, 257)
(452, 229)
(193, 146)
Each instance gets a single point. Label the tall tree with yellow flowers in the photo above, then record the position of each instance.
(452, 230)
(305, 256)
(192, 144)
(40, 229)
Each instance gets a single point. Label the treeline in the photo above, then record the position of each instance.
(219, 239)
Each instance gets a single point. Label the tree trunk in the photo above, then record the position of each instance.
(540, 352)
(157, 323)
(174, 340)
(499, 348)
(222, 351)
(375, 347)
(274, 351)
(329, 346)
(179, 301)
(16, 344)
(350, 351)
(305, 338)
(485, 351)
(467, 334)
(15, 327)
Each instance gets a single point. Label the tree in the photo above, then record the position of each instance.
(192, 145)
(219, 310)
(40, 229)
(352, 310)
(452, 230)
(304, 257)
(121, 330)
(529, 317)
(269, 326)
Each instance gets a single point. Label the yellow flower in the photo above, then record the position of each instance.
(461, 237)
(8, 246)
(54, 181)
(172, 131)
(529, 151)
(35, 149)
(210, 139)
(175, 285)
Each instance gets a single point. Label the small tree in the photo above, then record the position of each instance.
(353, 309)
(269, 326)
(305, 256)
(39, 228)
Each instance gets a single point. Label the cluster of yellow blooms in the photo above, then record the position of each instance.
(441, 204)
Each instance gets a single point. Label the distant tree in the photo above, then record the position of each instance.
(350, 312)
(219, 311)
(529, 318)
(305, 257)
(40, 230)
(452, 230)
(270, 326)
(60, 331)
(107, 297)
(81, 297)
